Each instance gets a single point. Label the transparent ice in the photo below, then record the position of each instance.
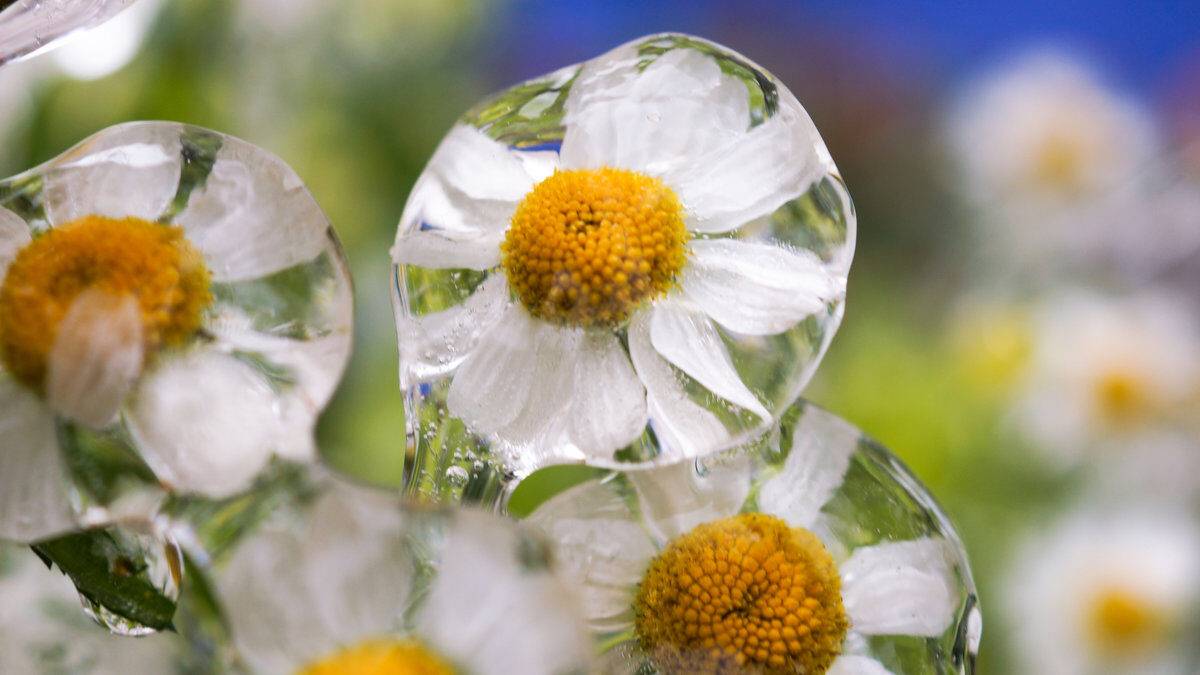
(856, 494)
(530, 120)
(336, 564)
(29, 26)
(289, 322)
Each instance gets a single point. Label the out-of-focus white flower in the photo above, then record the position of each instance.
(359, 581)
(706, 577)
(114, 322)
(1039, 139)
(1105, 371)
(625, 249)
(1106, 593)
(43, 631)
(1148, 226)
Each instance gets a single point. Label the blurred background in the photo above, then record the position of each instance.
(1022, 318)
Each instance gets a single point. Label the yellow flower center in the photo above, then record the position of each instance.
(1123, 623)
(746, 593)
(381, 657)
(1059, 164)
(1122, 396)
(588, 246)
(128, 257)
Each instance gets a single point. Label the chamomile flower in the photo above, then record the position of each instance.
(1107, 591)
(30, 26)
(648, 249)
(1038, 141)
(783, 562)
(356, 584)
(42, 631)
(1105, 371)
(166, 291)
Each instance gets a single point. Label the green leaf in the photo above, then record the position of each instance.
(541, 485)
(106, 574)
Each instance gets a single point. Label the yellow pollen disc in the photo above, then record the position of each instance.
(128, 257)
(1059, 163)
(381, 657)
(1122, 622)
(742, 594)
(588, 246)
(1122, 396)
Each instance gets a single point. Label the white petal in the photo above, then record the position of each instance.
(131, 170)
(459, 208)
(479, 167)
(690, 341)
(609, 407)
(205, 422)
(497, 388)
(756, 288)
(313, 368)
(490, 387)
(267, 600)
(685, 121)
(295, 591)
(96, 358)
(816, 465)
(508, 620)
(253, 216)
(857, 665)
(599, 548)
(677, 497)
(358, 564)
(678, 109)
(435, 344)
(684, 428)
(540, 424)
(14, 236)
(900, 588)
(452, 248)
(35, 501)
(754, 175)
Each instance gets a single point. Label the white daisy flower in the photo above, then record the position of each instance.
(42, 631)
(1105, 371)
(28, 27)
(1038, 140)
(739, 565)
(168, 291)
(1107, 592)
(652, 245)
(358, 584)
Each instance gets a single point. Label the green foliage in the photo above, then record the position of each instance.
(541, 485)
(109, 574)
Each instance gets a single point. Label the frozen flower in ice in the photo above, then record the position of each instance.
(650, 247)
(168, 291)
(29, 26)
(1038, 140)
(1106, 370)
(358, 584)
(766, 564)
(1107, 592)
(42, 631)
